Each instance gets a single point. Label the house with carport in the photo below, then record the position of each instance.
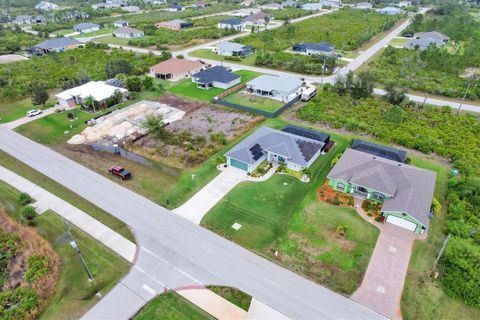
(404, 191)
(98, 90)
(175, 69)
(276, 146)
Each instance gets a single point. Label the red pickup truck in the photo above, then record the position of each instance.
(120, 172)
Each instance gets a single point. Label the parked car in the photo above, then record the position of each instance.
(120, 172)
(34, 112)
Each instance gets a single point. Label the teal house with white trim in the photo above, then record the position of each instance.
(405, 191)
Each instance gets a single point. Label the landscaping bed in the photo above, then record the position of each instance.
(329, 195)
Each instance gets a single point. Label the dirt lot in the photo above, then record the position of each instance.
(203, 130)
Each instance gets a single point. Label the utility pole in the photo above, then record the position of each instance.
(441, 252)
(472, 79)
(323, 70)
(73, 244)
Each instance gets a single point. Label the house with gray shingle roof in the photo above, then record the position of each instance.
(54, 45)
(274, 145)
(405, 191)
(234, 49)
(217, 76)
(86, 27)
(422, 40)
(235, 24)
(282, 88)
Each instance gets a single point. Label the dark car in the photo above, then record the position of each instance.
(120, 172)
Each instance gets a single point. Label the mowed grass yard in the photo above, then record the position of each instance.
(187, 88)
(250, 100)
(10, 111)
(113, 40)
(284, 214)
(96, 33)
(171, 306)
(74, 294)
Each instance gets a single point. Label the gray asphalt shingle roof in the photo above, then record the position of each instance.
(230, 46)
(232, 22)
(279, 83)
(217, 74)
(412, 188)
(86, 25)
(55, 43)
(294, 148)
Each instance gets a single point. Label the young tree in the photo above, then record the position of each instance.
(117, 66)
(147, 83)
(39, 94)
(134, 84)
(394, 95)
(154, 125)
(90, 102)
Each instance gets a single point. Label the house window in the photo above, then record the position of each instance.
(377, 196)
(281, 159)
(341, 186)
(362, 189)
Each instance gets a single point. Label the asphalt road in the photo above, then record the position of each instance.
(175, 252)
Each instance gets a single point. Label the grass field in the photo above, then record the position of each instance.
(106, 266)
(249, 100)
(284, 214)
(171, 306)
(63, 32)
(96, 33)
(208, 54)
(186, 88)
(113, 40)
(48, 184)
(10, 111)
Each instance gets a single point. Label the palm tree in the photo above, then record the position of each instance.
(89, 102)
(306, 171)
(282, 167)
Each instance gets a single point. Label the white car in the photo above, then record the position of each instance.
(34, 112)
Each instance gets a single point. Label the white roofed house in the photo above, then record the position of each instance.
(271, 6)
(234, 49)
(128, 33)
(98, 90)
(46, 6)
(282, 88)
(235, 24)
(391, 11)
(23, 19)
(363, 6)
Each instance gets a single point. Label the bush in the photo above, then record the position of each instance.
(29, 213)
(37, 266)
(17, 304)
(24, 198)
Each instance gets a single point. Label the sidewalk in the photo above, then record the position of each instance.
(45, 201)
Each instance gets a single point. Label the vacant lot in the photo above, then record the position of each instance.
(187, 88)
(16, 110)
(284, 214)
(250, 100)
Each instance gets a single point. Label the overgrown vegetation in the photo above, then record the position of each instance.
(15, 40)
(70, 68)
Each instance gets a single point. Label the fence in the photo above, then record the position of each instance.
(256, 111)
(225, 93)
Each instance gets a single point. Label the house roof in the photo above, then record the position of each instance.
(120, 21)
(176, 6)
(412, 188)
(379, 150)
(230, 46)
(127, 30)
(233, 22)
(294, 148)
(423, 43)
(389, 9)
(307, 133)
(318, 46)
(55, 43)
(23, 17)
(256, 16)
(174, 23)
(280, 83)
(97, 89)
(217, 74)
(86, 25)
(431, 35)
(176, 66)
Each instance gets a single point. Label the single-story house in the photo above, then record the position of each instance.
(98, 90)
(379, 150)
(46, 6)
(247, 3)
(128, 33)
(271, 6)
(120, 23)
(24, 19)
(283, 88)
(321, 48)
(422, 40)
(391, 11)
(234, 49)
(404, 4)
(100, 5)
(289, 3)
(117, 3)
(175, 69)
(331, 3)
(217, 76)
(231, 24)
(155, 1)
(201, 4)
(273, 145)
(176, 7)
(131, 9)
(363, 6)
(315, 6)
(405, 191)
(86, 27)
(245, 12)
(54, 45)
(39, 19)
(176, 24)
(257, 18)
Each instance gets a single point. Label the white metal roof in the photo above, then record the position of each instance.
(97, 89)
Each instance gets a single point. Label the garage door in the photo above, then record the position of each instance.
(402, 223)
(239, 164)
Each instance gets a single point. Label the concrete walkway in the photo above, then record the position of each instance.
(382, 286)
(212, 303)
(45, 201)
(205, 199)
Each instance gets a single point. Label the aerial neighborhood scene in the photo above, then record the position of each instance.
(239, 159)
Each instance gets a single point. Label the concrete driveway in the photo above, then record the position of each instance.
(24, 120)
(198, 205)
(382, 285)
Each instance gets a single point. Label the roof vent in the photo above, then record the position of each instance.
(399, 164)
(374, 157)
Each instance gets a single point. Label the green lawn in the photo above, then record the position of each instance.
(63, 32)
(208, 54)
(56, 128)
(253, 101)
(10, 111)
(235, 296)
(113, 40)
(186, 88)
(75, 294)
(45, 182)
(171, 306)
(96, 33)
(284, 214)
